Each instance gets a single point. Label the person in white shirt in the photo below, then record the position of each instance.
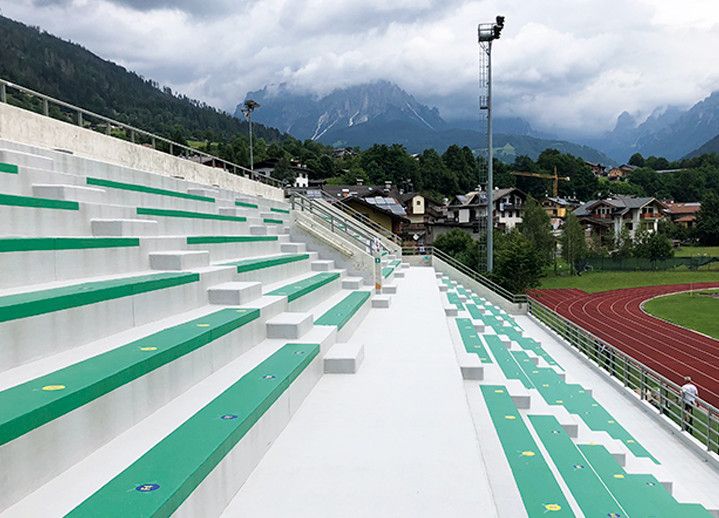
(689, 397)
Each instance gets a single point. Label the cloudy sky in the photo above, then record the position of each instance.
(565, 65)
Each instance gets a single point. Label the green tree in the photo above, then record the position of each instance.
(536, 227)
(652, 246)
(574, 243)
(637, 160)
(518, 265)
(708, 220)
(460, 246)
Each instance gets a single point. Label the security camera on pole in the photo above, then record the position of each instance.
(488, 32)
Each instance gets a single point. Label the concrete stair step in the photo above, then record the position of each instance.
(293, 248)
(124, 227)
(389, 289)
(381, 301)
(179, 259)
(344, 358)
(234, 293)
(322, 265)
(352, 283)
(203, 191)
(289, 325)
(68, 192)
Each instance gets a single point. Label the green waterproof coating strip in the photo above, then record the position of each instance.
(188, 214)
(38, 203)
(249, 265)
(281, 211)
(161, 480)
(343, 312)
(209, 240)
(37, 402)
(33, 303)
(245, 204)
(8, 168)
(145, 189)
(301, 288)
(33, 244)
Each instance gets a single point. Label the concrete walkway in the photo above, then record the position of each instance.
(396, 439)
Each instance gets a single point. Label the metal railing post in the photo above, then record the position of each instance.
(3, 93)
(132, 136)
(79, 119)
(45, 108)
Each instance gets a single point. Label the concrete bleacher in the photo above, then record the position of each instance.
(128, 299)
(566, 453)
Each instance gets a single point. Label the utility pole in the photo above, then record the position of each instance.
(488, 32)
(247, 109)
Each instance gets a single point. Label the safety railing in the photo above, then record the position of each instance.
(334, 222)
(514, 298)
(376, 227)
(56, 109)
(701, 419)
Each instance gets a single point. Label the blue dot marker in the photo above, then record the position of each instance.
(146, 488)
(228, 417)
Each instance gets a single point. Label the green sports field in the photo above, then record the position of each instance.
(697, 310)
(602, 281)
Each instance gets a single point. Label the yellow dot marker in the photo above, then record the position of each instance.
(546, 385)
(618, 475)
(595, 404)
(499, 391)
(510, 417)
(553, 507)
(203, 325)
(528, 454)
(146, 349)
(610, 421)
(559, 401)
(53, 388)
(630, 441)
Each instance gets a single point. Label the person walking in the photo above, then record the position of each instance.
(689, 397)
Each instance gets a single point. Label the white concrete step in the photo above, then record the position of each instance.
(442, 287)
(344, 358)
(381, 301)
(398, 274)
(237, 211)
(389, 289)
(322, 265)
(289, 325)
(68, 192)
(234, 293)
(258, 230)
(124, 227)
(22, 159)
(293, 248)
(200, 191)
(451, 311)
(179, 259)
(352, 283)
(471, 367)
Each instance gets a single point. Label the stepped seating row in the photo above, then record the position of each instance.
(93, 344)
(597, 483)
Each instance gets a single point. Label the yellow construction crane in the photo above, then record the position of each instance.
(554, 177)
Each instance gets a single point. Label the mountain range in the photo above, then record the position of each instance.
(670, 132)
(383, 113)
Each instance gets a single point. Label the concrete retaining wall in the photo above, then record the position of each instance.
(34, 129)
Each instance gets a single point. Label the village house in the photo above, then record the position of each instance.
(557, 210)
(684, 214)
(620, 172)
(608, 217)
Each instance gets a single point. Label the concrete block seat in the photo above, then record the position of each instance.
(162, 479)
(471, 340)
(45, 321)
(453, 298)
(36, 260)
(517, 365)
(305, 292)
(173, 221)
(352, 308)
(600, 485)
(538, 488)
(38, 415)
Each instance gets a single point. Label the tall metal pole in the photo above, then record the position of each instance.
(490, 165)
(252, 158)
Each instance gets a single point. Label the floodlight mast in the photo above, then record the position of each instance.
(487, 33)
(249, 107)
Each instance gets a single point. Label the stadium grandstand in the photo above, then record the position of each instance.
(179, 339)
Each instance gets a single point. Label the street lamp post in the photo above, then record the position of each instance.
(487, 33)
(247, 109)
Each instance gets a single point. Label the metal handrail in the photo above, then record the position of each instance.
(341, 205)
(649, 385)
(133, 132)
(514, 298)
(332, 221)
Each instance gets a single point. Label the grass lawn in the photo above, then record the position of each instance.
(692, 310)
(603, 281)
(691, 251)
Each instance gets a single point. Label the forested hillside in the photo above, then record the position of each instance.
(66, 71)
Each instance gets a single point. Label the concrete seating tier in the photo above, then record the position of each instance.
(164, 477)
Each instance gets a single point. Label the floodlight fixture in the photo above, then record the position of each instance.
(248, 107)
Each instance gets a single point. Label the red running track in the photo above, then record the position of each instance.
(616, 317)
